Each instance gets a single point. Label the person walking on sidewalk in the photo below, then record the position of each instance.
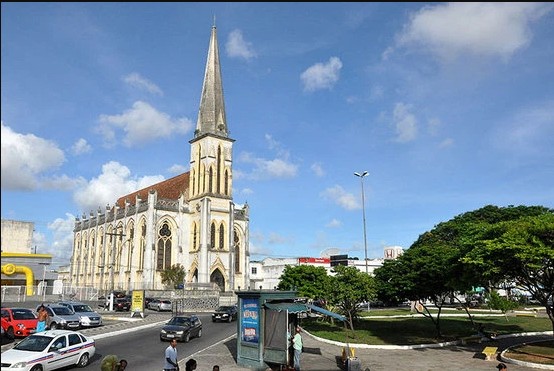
(297, 346)
(171, 363)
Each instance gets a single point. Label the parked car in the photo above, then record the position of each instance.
(226, 313)
(122, 304)
(61, 317)
(88, 317)
(5, 327)
(182, 328)
(160, 305)
(50, 350)
(21, 321)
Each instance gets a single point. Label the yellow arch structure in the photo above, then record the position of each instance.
(10, 269)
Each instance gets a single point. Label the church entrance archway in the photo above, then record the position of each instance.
(217, 278)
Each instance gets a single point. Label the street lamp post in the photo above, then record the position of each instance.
(361, 176)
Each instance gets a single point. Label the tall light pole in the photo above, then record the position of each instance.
(362, 176)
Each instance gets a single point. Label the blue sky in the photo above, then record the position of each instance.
(448, 106)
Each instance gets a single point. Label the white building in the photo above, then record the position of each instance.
(190, 219)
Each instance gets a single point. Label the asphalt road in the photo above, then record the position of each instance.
(144, 350)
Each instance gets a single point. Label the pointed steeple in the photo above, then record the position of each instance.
(211, 115)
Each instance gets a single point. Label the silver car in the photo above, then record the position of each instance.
(61, 317)
(88, 317)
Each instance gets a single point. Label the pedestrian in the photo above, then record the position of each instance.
(215, 368)
(122, 365)
(42, 318)
(502, 367)
(190, 365)
(171, 363)
(297, 345)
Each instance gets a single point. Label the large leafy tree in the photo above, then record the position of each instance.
(309, 281)
(520, 252)
(491, 245)
(173, 276)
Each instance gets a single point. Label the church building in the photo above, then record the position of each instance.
(190, 219)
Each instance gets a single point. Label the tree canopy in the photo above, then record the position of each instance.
(485, 247)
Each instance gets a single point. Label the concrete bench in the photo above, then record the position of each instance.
(490, 353)
(471, 339)
(526, 314)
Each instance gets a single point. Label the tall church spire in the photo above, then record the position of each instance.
(211, 114)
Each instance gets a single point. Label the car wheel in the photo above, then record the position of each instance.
(53, 326)
(187, 337)
(37, 368)
(83, 361)
(200, 333)
(10, 333)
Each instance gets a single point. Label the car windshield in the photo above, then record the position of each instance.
(62, 311)
(224, 309)
(179, 321)
(34, 343)
(22, 314)
(82, 308)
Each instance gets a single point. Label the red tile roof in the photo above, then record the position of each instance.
(169, 189)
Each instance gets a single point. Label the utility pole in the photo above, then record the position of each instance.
(111, 265)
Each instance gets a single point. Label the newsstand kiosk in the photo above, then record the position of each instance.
(266, 320)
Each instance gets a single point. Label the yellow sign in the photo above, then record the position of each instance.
(137, 301)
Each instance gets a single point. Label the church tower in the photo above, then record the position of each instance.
(210, 184)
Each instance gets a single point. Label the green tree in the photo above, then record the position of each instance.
(497, 302)
(173, 276)
(307, 280)
(520, 252)
(485, 247)
(348, 287)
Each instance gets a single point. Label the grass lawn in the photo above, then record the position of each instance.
(540, 352)
(419, 330)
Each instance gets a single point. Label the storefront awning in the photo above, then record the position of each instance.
(290, 307)
(326, 312)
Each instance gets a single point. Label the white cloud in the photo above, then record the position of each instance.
(405, 123)
(448, 142)
(322, 76)
(318, 169)
(334, 223)
(236, 46)
(178, 169)
(114, 182)
(80, 147)
(62, 234)
(528, 132)
(136, 80)
(267, 169)
(142, 123)
(25, 157)
(450, 30)
(340, 197)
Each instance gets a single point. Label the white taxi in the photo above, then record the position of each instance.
(49, 350)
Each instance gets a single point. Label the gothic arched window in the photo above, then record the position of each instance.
(212, 236)
(163, 260)
(237, 251)
(221, 237)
